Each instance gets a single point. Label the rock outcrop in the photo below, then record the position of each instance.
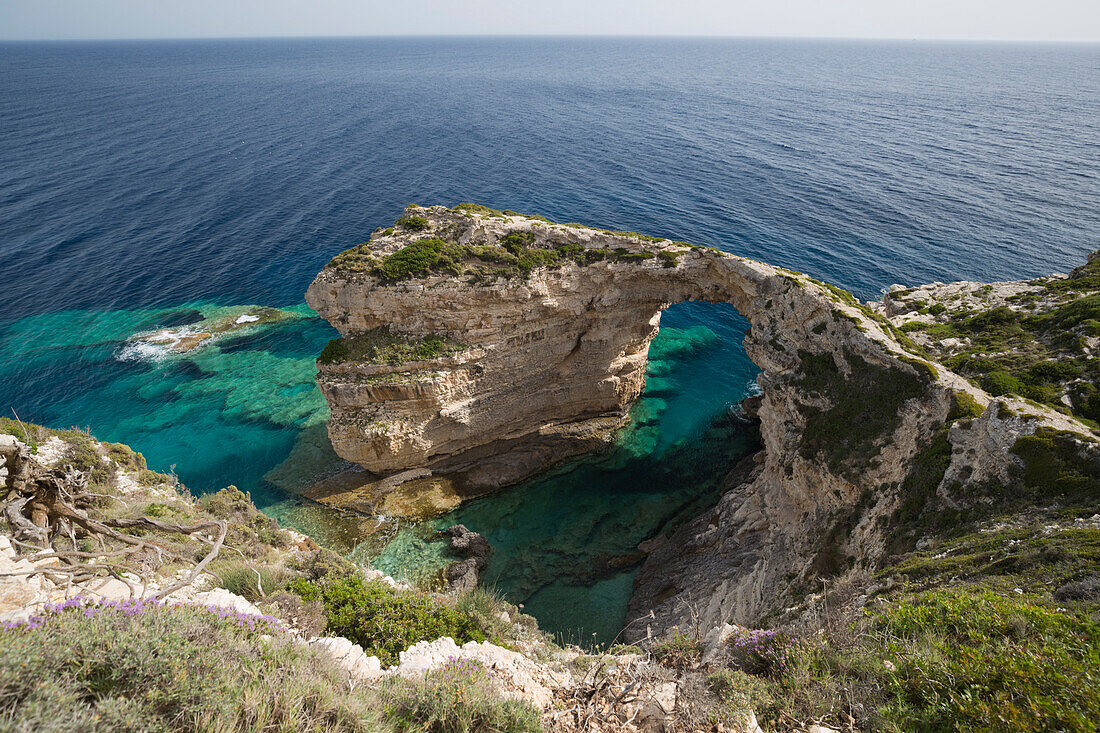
(484, 362)
(488, 345)
(474, 550)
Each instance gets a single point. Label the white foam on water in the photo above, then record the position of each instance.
(247, 319)
(154, 345)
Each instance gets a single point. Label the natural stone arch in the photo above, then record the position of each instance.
(540, 339)
(545, 363)
(549, 361)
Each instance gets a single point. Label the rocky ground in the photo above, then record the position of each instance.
(573, 690)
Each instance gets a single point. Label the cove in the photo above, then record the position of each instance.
(245, 411)
(565, 541)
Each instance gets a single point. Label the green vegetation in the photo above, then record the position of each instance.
(420, 258)
(515, 256)
(456, 697)
(381, 346)
(1039, 355)
(146, 667)
(958, 658)
(169, 669)
(919, 510)
(383, 620)
(1002, 560)
(972, 659)
(864, 410)
(415, 223)
(1056, 468)
(965, 406)
(679, 651)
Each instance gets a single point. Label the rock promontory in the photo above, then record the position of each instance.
(490, 345)
(486, 345)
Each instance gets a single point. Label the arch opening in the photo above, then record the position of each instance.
(566, 541)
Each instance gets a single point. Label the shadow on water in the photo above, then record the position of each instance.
(565, 542)
(245, 411)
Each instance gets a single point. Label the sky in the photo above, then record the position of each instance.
(1036, 20)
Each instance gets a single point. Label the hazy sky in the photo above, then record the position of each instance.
(1063, 20)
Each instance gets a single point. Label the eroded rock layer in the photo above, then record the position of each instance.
(491, 344)
(538, 362)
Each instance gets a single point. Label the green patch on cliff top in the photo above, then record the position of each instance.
(381, 346)
(515, 255)
(1039, 355)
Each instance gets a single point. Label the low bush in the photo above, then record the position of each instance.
(382, 346)
(384, 621)
(145, 667)
(456, 698)
(418, 258)
(679, 651)
(246, 579)
(322, 564)
(415, 223)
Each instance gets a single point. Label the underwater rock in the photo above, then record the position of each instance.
(474, 549)
(194, 334)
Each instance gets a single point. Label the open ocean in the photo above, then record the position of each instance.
(145, 184)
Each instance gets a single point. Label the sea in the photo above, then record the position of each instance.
(153, 184)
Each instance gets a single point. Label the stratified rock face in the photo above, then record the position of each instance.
(517, 370)
(549, 361)
(494, 344)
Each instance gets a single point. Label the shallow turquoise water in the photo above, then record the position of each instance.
(245, 410)
(562, 541)
(227, 413)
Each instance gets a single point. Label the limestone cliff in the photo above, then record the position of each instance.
(516, 342)
(857, 498)
(493, 344)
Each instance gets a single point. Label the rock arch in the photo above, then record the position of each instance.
(541, 365)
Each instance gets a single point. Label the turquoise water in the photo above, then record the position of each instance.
(244, 409)
(229, 412)
(562, 541)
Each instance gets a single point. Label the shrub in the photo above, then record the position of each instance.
(1000, 382)
(456, 698)
(418, 258)
(1054, 466)
(242, 578)
(965, 406)
(739, 694)
(865, 412)
(322, 564)
(385, 621)
(679, 651)
(415, 223)
(763, 652)
(141, 666)
(381, 346)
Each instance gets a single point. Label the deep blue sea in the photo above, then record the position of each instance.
(149, 184)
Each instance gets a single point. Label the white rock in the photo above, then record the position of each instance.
(221, 598)
(350, 656)
(714, 643)
(513, 674)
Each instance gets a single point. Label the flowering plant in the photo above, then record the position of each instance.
(765, 652)
(132, 607)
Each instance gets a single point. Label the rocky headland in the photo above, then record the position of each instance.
(481, 346)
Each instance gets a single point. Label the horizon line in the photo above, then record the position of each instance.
(702, 36)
